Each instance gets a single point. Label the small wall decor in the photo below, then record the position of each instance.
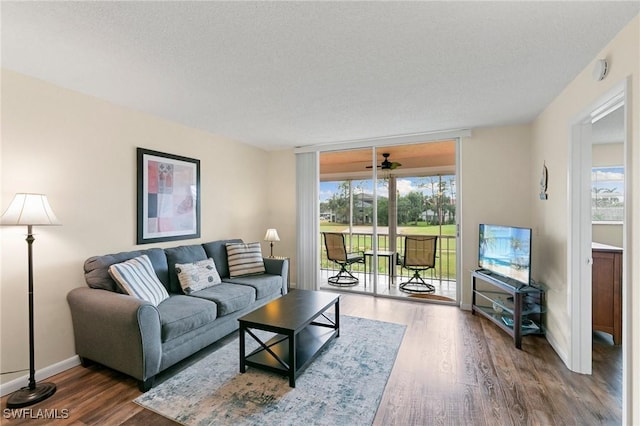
(168, 197)
(543, 182)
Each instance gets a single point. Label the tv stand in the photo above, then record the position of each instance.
(517, 309)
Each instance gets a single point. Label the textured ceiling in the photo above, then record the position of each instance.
(282, 74)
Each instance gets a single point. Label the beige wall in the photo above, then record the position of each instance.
(550, 144)
(282, 204)
(610, 234)
(608, 155)
(81, 152)
(496, 187)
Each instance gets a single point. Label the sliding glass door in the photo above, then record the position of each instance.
(380, 198)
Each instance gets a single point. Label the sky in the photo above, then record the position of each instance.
(610, 178)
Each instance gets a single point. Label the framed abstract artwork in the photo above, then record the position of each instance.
(168, 197)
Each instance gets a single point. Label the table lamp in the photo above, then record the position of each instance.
(29, 210)
(271, 236)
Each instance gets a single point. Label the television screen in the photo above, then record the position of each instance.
(506, 251)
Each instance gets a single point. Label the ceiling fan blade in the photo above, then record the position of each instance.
(395, 165)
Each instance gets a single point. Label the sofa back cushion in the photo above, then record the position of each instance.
(182, 254)
(96, 268)
(217, 250)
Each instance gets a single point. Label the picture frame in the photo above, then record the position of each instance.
(168, 202)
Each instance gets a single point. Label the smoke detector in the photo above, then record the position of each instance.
(600, 69)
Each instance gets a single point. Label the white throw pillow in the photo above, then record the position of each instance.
(198, 275)
(244, 259)
(137, 278)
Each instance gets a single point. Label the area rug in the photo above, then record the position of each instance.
(343, 385)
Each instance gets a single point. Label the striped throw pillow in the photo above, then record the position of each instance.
(137, 278)
(244, 259)
(198, 275)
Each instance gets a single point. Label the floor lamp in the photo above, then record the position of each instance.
(29, 210)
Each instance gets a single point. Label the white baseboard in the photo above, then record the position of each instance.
(41, 374)
(465, 306)
(554, 344)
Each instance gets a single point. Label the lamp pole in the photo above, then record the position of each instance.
(33, 393)
(32, 359)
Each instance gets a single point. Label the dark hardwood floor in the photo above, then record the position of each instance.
(452, 369)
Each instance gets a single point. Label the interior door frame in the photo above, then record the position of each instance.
(579, 239)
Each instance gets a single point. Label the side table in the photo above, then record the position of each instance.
(390, 255)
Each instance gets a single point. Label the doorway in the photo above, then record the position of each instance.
(589, 204)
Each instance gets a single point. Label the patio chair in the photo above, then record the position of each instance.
(337, 252)
(419, 256)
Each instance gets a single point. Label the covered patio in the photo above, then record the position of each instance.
(389, 273)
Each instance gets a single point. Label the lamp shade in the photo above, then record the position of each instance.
(271, 235)
(29, 209)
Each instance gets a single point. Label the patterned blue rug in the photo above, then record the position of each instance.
(343, 385)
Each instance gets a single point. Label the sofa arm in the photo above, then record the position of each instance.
(278, 267)
(116, 330)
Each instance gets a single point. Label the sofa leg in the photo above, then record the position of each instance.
(86, 362)
(145, 385)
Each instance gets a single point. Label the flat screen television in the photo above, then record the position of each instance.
(506, 251)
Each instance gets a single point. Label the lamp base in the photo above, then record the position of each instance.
(26, 396)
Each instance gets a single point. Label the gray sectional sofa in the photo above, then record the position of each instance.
(139, 339)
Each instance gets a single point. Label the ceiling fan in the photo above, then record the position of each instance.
(386, 164)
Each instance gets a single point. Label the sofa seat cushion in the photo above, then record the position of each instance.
(265, 285)
(180, 314)
(229, 297)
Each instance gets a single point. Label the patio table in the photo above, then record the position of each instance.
(390, 255)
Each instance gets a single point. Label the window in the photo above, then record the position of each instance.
(607, 194)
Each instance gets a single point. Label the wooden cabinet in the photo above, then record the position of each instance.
(606, 281)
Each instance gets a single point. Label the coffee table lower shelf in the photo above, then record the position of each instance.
(308, 344)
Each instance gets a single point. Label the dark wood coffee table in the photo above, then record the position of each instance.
(300, 337)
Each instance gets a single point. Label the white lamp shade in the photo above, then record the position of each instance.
(271, 235)
(29, 209)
